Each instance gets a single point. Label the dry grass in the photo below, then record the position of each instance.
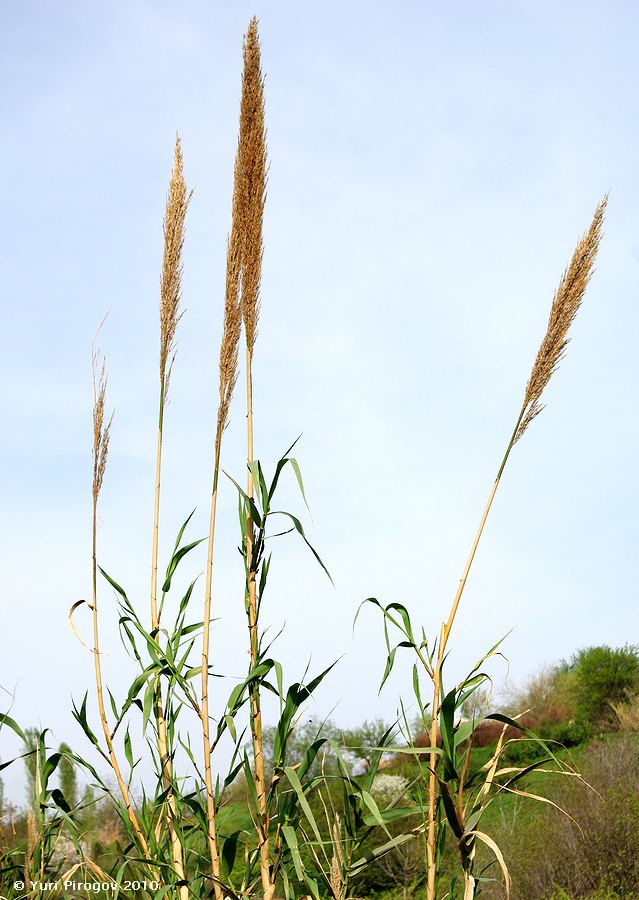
(592, 851)
(627, 714)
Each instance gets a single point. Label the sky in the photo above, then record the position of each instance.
(431, 169)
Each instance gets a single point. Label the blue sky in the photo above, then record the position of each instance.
(431, 168)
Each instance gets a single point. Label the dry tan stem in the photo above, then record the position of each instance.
(268, 886)
(206, 734)
(103, 716)
(101, 433)
(469, 886)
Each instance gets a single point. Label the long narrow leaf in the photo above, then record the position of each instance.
(7, 720)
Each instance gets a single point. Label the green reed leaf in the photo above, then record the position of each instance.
(12, 724)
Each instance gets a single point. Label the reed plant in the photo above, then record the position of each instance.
(251, 195)
(310, 827)
(178, 841)
(447, 770)
(170, 288)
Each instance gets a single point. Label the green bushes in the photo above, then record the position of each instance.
(597, 691)
(602, 677)
(570, 734)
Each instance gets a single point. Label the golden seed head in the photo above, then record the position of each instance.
(177, 203)
(251, 171)
(31, 836)
(101, 432)
(565, 304)
(245, 243)
(337, 861)
(232, 309)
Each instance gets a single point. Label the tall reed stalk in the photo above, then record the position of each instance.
(565, 305)
(170, 286)
(101, 434)
(228, 370)
(251, 197)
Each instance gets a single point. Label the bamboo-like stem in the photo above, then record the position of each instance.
(155, 621)
(101, 707)
(565, 305)
(206, 638)
(101, 434)
(268, 886)
(471, 556)
(176, 207)
(443, 640)
(163, 748)
(441, 650)
(227, 379)
(431, 842)
(469, 886)
(251, 199)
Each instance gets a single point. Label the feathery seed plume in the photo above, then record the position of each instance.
(232, 307)
(177, 202)
(566, 302)
(252, 172)
(31, 837)
(101, 433)
(337, 861)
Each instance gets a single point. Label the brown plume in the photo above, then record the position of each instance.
(101, 432)
(565, 304)
(232, 307)
(251, 170)
(177, 203)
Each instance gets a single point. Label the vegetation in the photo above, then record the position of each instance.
(414, 807)
(604, 678)
(591, 850)
(588, 850)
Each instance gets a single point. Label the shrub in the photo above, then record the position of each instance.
(603, 677)
(570, 734)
